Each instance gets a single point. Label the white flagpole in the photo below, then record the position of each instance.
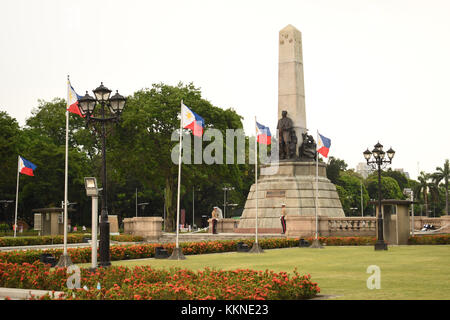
(317, 188)
(66, 170)
(17, 197)
(256, 183)
(179, 174)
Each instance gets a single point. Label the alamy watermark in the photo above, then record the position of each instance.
(234, 149)
(74, 280)
(374, 281)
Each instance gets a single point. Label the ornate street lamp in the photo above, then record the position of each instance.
(102, 110)
(377, 162)
(225, 203)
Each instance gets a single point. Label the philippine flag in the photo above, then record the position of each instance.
(26, 167)
(263, 134)
(191, 120)
(323, 145)
(72, 100)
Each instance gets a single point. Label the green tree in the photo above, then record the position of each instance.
(389, 188)
(9, 137)
(422, 188)
(400, 177)
(345, 199)
(334, 167)
(49, 119)
(443, 174)
(42, 142)
(351, 198)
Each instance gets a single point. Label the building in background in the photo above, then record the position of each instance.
(403, 171)
(363, 169)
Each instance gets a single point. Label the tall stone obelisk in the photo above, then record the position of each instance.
(291, 88)
(295, 182)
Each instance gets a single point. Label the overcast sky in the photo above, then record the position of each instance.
(375, 70)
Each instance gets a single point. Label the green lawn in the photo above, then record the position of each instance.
(407, 272)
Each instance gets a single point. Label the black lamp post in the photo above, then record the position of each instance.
(102, 109)
(378, 161)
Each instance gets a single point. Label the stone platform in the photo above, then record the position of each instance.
(294, 184)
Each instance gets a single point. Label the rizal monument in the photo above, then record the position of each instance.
(294, 183)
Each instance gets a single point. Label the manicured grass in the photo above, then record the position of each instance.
(407, 272)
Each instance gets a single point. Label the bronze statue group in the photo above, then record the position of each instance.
(288, 142)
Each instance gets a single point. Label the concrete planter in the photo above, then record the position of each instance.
(150, 228)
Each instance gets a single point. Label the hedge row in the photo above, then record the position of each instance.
(127, 238)
(430, 239)
(39, 240)
(59, 239)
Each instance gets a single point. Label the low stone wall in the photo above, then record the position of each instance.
(298, 226)
(150, 228)
(441, 222)
(305, 226)
(225, 225)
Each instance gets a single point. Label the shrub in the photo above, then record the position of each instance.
(39, 240)
(76, 237)
(127, 238)
(430, 239)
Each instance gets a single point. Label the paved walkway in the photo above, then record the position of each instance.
(24, 294)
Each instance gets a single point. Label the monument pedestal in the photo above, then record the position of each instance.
(294, 184)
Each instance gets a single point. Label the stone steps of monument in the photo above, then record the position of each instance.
(198, 237)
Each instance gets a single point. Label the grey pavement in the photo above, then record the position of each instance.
(24, 294)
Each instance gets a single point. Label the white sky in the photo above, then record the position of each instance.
(374, 69)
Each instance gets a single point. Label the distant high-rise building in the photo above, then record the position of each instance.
(403, 171)
(363, 169)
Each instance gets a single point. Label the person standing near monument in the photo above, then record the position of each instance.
(219, 213)
(284, 127)
(283, 218)
(214, 217)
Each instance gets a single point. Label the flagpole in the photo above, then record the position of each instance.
(179, 176)
(177, 254)
(256, 248)
(316, 243)
(256, 183)
(17, 196)
(317, 188)
(66, 179)
(65, 260)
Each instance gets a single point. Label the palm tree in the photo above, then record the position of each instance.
(443, 174)
(433, 188)
(422, 188)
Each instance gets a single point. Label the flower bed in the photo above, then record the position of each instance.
(430, 239)
(143, 283)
